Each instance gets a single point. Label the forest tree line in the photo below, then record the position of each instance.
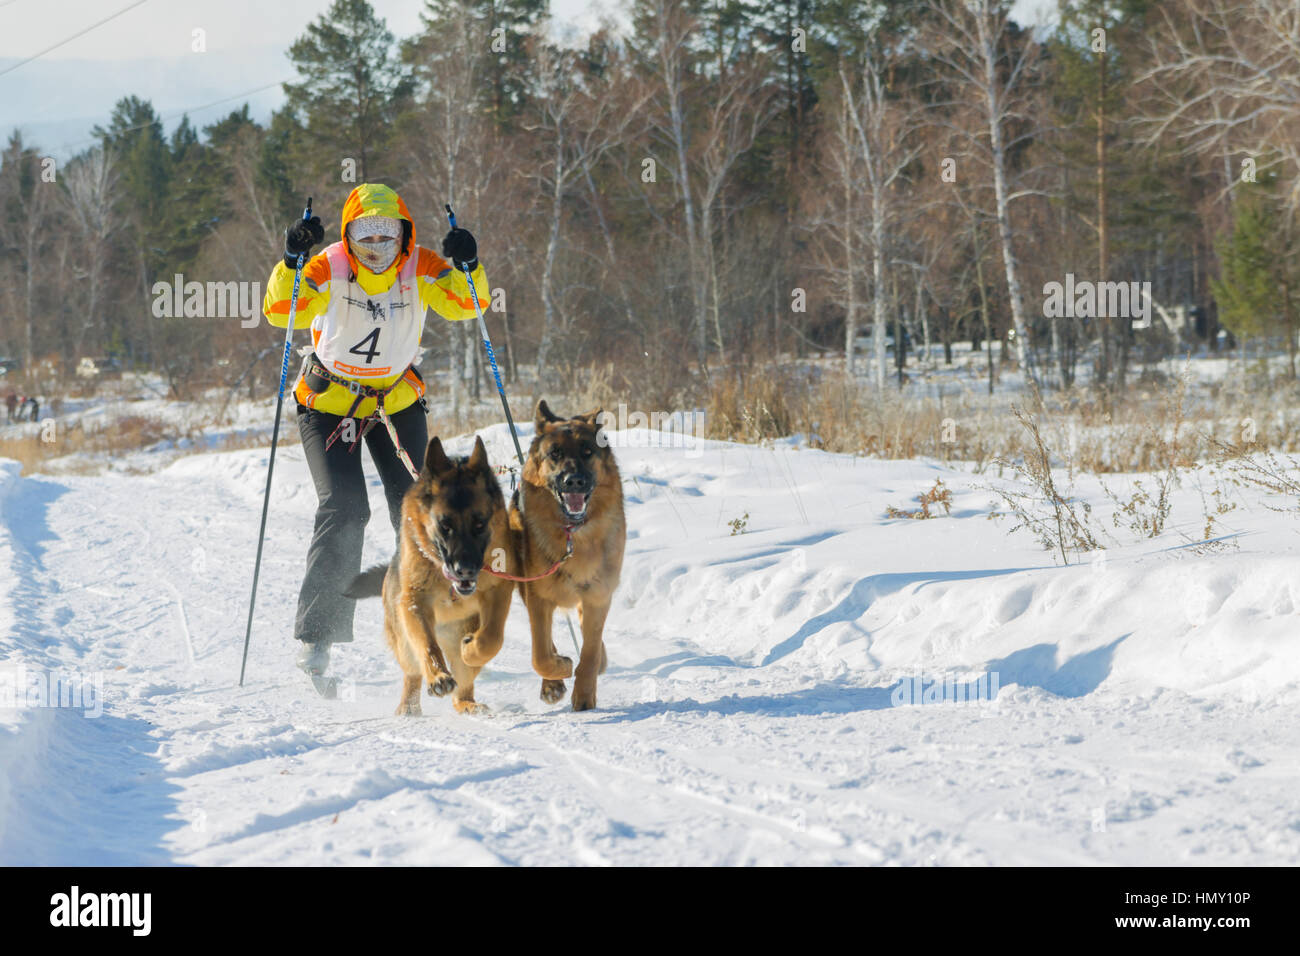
(729, 183)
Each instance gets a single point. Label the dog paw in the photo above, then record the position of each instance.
(408, 708)
(584, 700)
(442, 686)
(471, 707)
(557, 668)
(553, 691)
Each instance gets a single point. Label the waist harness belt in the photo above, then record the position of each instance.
(313, 369)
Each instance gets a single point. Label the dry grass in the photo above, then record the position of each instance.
(940, 494)
(1160, 427)
(97, 448)
(1263, 469)
(1060, 521)
(1162, 423)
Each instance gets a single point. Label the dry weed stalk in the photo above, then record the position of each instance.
(940, 494)
(1067, 524)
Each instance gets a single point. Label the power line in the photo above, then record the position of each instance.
(171, 116)
(79, 33)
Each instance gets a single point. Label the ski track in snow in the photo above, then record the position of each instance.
(1145, 713)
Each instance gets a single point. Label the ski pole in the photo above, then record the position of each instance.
(492, 358)
(501, 390)
(275, 434)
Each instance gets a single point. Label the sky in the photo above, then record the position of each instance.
(148, 51)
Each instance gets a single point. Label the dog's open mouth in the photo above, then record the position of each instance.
(574, 504)
(462, 586)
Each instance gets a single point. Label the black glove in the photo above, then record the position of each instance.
(300, 237)
(459, 247)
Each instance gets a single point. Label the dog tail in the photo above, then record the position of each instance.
(369, 583)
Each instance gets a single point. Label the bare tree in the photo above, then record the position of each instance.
(91, 184)
(737, 106)
(835, 224)
(579, 118)
(456, 155)
(252, 198)
(667, 59)
(31, 201)
(972, 41)
(883, 138)
(1224, 80)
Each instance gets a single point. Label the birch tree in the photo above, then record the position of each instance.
(91, 184)
(579, 117)
(971, 41)
(882, 135)
(704, 143)
(458, 156)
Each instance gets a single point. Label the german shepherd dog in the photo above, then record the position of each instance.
(440, 613)
(571, 492)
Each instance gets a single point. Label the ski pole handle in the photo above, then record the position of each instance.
(293, 302)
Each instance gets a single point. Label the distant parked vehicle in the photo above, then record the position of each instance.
(864, 343)
(90, 367)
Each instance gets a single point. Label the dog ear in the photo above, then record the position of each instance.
(592, 417)
(478, 459)
(436, 461)
(544, 416)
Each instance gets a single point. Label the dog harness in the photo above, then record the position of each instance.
(568, 553)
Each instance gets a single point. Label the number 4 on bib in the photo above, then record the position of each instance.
(373, 340)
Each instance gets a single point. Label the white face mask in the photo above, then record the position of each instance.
(375, 256)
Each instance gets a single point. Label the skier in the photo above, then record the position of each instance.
(365, 299)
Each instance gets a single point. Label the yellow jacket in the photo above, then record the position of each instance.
(384, 312)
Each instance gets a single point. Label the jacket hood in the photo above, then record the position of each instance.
(376, 199)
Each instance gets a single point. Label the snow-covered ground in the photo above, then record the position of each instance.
(757, 706)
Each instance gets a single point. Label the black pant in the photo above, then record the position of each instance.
(334, 557)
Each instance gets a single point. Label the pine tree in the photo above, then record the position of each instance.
(353, 86)
(195, 196)
(1095, 54)
(1259, 290)
(135, 136)
(503, 29)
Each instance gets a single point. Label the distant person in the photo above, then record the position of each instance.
(34, 408)
(11, 402)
